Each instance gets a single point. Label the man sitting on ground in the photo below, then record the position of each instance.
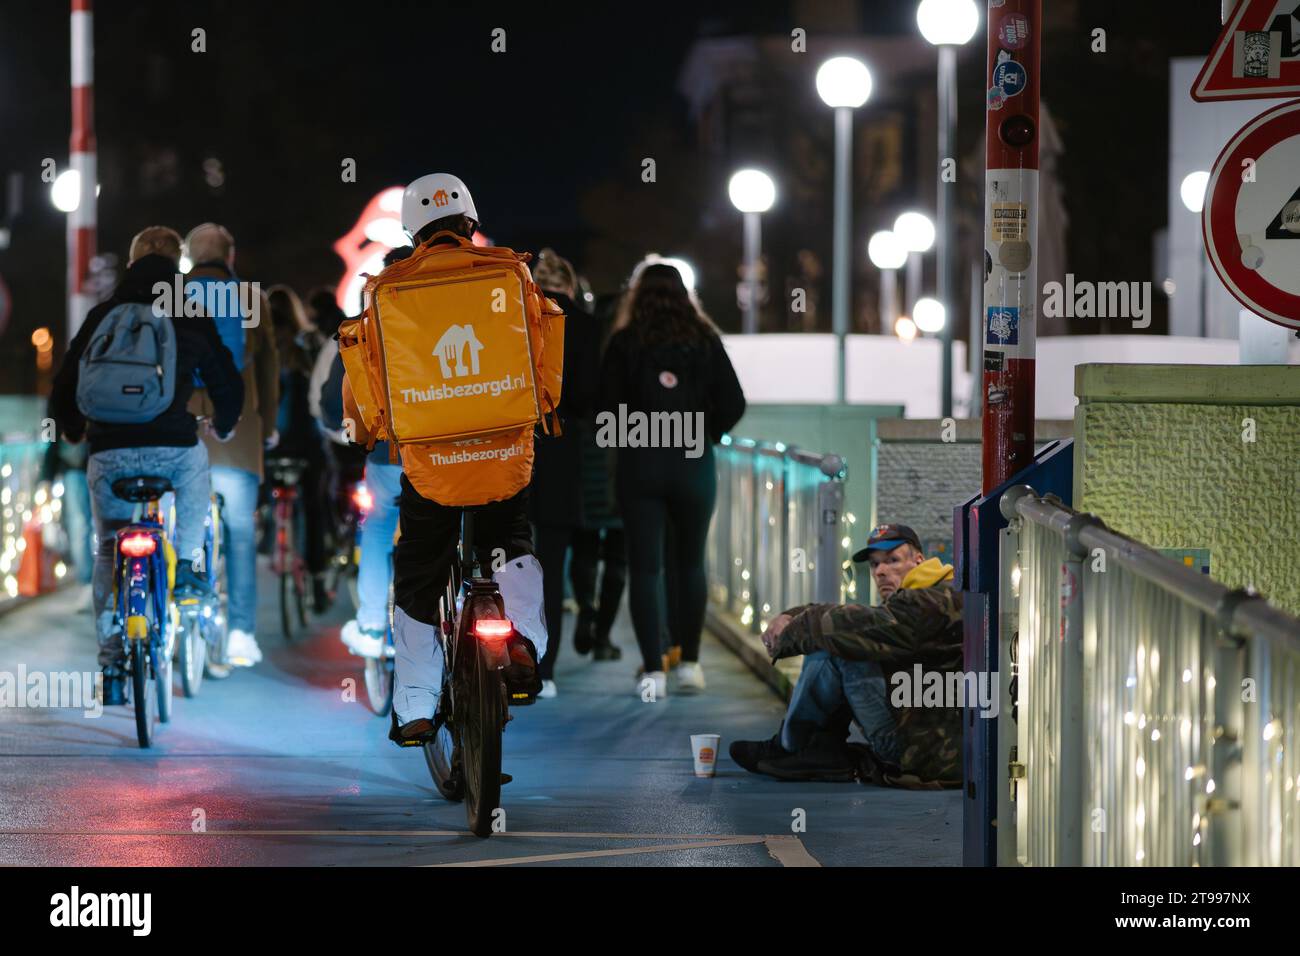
(851, 654)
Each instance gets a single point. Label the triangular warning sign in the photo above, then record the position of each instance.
(1286, 224)
(1256, 56)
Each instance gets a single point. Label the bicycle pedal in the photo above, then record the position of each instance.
(522, 700)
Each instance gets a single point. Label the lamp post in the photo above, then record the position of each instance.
(947, 24)
(1192, 192)
(916, 232)
(844, 84)
(752, 192)
(888, 254)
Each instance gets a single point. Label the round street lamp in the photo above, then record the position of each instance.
(916, 232)
(753, 193)
(947, 24)
(887, 253)
(844, 84)
(929, 314)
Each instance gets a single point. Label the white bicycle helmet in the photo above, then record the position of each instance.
(433, 197)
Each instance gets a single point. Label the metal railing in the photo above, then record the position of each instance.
(1149, 714)
(775, 538)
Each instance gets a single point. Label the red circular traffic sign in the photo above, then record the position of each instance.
(1251, 219)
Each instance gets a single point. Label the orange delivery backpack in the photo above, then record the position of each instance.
(456, 356)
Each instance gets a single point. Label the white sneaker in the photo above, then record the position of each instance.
(360, 642)
(242, 649)
(690, 677)
(548, 689)
(656, 679)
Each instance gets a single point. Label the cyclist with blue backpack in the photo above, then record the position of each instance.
(124, 385)
(237, 466)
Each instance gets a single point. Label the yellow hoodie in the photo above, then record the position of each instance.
(927, 574)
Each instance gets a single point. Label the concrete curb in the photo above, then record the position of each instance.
(780, 676)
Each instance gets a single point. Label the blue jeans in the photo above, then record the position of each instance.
(239, 490)
(187, 470)
(376, 571)
(825, 685)
(76, 519)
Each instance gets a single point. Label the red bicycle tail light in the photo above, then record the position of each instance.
(138, 545)
(492, 629)
(362, 498)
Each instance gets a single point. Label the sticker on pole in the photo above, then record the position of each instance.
(1251, 219)
(1257, 55)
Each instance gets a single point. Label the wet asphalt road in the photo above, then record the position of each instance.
(282, 767)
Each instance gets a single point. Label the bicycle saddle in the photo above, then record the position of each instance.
(286, 471)
(141, 488)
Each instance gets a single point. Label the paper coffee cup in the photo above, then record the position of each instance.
(705, 749)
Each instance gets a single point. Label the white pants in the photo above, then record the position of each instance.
(417, 666)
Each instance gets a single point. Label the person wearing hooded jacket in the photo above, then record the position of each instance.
(858, 661)
(168, 446)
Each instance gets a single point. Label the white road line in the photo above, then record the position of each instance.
(789, 851)
(592, 854)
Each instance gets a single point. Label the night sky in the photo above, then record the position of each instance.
(287, 90)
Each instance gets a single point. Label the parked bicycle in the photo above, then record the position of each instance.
(287, 562)
(144, 567)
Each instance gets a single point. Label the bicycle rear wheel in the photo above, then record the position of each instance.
(481, 708)
(287, 613)
(379, 684)
(141, 693)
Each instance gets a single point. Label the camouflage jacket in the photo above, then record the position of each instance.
(919, 624)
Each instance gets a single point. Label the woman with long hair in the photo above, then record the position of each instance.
(668, 393)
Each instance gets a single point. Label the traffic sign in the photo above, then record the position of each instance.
(1251, 218)
(1257, 54)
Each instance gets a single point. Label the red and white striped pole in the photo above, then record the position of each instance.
(1010, 236)
(81, 221)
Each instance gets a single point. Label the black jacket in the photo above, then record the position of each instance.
(723, 407)
(198, 346)
(556, 494)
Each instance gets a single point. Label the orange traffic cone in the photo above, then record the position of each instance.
(30, 578)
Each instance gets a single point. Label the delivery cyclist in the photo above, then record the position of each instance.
(429, 530)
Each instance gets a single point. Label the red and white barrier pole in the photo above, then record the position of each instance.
(81, 221)
(1010, 236)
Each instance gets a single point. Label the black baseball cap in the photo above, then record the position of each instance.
(887, 537)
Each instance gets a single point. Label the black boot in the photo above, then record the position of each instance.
(584, 632)
(748, 753)
(114, 687)
(190, 581)
(826, 758)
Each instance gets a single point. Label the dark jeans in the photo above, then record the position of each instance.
(553, 543)
(427, 546)
(590, 548)
(658, 488)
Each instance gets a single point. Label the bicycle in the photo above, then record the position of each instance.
(286, 557)
(379, 670)
(346, 561)
(464, 754)
(144, 566)
(201, 624)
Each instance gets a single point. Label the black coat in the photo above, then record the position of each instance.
(198, 346)
(556, 494)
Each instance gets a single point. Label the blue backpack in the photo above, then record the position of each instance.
(127, 375)
(219, 299)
